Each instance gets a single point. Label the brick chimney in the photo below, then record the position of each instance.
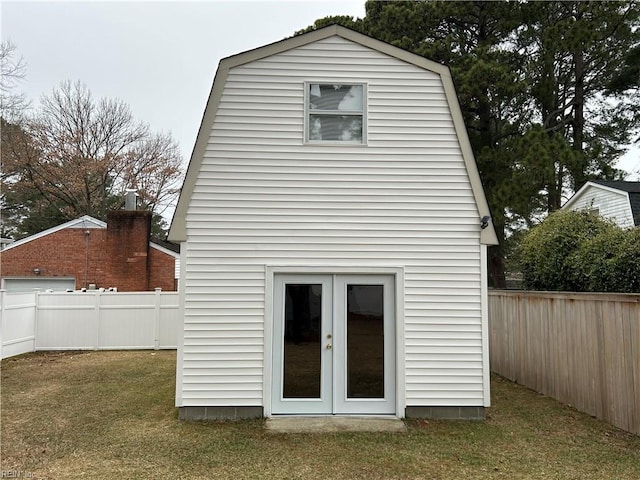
(128, 233)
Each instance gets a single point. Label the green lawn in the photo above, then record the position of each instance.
(104, 415)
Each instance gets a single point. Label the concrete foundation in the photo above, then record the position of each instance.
(446, 413)
(220, 413)
(330, 421)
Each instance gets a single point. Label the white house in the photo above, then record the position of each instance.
(618, 201)
(334, 233)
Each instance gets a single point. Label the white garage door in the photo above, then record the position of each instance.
(57, 284)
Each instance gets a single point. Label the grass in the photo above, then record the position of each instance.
(104, 415)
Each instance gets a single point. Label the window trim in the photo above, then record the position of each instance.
(308, 112)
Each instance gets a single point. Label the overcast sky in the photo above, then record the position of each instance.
(158, 57)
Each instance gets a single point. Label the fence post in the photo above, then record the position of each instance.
(157, 318)
(36, 298)
(2, 299)
(96, 320)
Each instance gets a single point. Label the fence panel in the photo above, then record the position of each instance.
(87, 321)
(17, 323)
(170, 321)
(127, 320)
(582, 349)
(66, 321)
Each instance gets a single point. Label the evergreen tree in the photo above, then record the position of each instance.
(547, 91)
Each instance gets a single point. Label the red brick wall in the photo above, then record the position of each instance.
(160, 264)
(116, 257)
(128, 249)
(60, 254)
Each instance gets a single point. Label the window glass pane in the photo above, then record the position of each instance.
(302, 320)
(335, 127)
(336, 97)
(365, 341)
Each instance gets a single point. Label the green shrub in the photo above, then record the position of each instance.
(545, 252)
(625, 276)
(594, 262)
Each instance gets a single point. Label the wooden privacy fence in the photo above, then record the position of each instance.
(87, 321)
(582, 349)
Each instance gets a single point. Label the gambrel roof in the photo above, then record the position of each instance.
(178, 231)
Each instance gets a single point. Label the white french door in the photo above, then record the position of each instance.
(333, 344)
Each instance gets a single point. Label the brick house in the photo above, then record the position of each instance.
(88, 253)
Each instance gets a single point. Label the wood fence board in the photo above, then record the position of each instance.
(582, 349)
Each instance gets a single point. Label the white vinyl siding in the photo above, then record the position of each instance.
(608, 202)
(264, 197)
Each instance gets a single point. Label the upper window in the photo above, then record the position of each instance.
(335, 113)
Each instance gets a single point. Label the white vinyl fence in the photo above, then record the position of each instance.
(87, 321)
(17, 323)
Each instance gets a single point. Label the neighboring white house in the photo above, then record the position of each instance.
(334, 234)
(618, 201)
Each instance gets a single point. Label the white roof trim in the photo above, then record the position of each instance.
(590, 184)
(75, 224)
(178, 229)
(69, 224)
(160, 248)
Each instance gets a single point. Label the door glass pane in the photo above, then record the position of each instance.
(365, 341)
(302, 321)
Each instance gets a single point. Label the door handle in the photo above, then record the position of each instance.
(329, 346)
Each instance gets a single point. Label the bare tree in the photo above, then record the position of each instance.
(154, 169)
(84, 153)
(12, 72)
